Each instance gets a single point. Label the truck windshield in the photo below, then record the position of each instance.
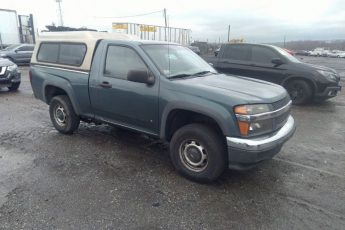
(176, 60)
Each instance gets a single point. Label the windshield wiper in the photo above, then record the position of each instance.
(182, 75)
(201, 73)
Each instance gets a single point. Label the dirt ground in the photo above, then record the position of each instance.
(106, 178)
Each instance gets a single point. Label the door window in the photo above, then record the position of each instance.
(120, 60)
(237, 52)
(263, 54)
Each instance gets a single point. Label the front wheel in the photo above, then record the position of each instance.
(62, 115)
(198, 153)
(300, 92)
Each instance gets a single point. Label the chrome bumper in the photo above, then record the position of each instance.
(264, 143)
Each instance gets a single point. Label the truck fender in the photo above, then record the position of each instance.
(64, 85)
(221, 116)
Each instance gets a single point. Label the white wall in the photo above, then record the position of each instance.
(9, 27)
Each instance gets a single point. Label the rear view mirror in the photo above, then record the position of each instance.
(277, 61)
(140, 76)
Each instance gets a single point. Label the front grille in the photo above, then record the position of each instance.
(278, 104)
(280, 121)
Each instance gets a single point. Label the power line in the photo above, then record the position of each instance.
(136, 15)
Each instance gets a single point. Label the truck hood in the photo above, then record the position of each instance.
(238, 89)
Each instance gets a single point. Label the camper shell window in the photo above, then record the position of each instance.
(72, 54)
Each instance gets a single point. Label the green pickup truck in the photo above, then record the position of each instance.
(166, 91)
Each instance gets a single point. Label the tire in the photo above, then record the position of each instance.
(300, 91)
(14, 86)
(62, 115)
(198, 138)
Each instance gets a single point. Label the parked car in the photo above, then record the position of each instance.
(195, 49)
(303, 81)
(9, 75)
(212, 121)
(302, 52)
(19, 54)
(341, 54)
(333, 54)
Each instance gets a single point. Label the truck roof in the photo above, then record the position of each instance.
(84, 36)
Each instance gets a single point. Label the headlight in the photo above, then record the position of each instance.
(249, 124)
(329, 75)
(12, 67)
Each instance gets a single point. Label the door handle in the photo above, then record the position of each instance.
(105, 84)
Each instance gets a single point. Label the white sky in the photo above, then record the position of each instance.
(253, 20)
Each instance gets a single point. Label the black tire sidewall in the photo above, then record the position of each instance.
(73, 120)
(307, 91)
(212, 142)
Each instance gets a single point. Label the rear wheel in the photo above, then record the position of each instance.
(62, 115)
(14, 86)
(198, 153)
(300, 91)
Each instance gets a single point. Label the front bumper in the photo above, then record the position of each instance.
(9, 78)
(330, 91)
(245, 153)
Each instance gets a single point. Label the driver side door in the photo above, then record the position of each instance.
(119, 101)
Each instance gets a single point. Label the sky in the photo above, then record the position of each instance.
(252, 20)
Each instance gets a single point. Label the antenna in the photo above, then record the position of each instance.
(60, 11)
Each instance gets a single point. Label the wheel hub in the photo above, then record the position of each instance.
(193, 155)
(60, 115)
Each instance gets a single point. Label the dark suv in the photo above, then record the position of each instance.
(19, 54)
(303, 81)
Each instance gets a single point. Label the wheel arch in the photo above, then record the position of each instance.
(178, 116)
(309, 81)
(51, 90)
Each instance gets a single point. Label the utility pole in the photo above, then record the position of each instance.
(60, 11)
(165, 23)
(284, 40)
(32, 28)
(229, 33)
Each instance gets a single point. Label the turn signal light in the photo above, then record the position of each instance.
(244, 127)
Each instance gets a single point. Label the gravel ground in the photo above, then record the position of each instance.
(106, 178)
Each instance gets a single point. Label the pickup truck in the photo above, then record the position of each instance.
(211, 121)
(304, 82)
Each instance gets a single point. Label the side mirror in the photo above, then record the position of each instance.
(140, 76)
(277, 61)
(16, 51)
